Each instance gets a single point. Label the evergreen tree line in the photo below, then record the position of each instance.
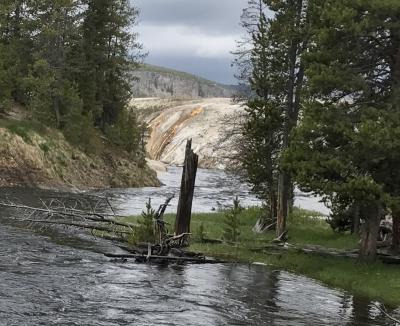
(323, 109)
(69, 62)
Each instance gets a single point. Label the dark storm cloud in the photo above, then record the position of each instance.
(196, 36)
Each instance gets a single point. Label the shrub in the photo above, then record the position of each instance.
(79, 131)
(126, 133)
(231, 230)
(45, 147)
(21, 131)
(144, 232)
(23, 128)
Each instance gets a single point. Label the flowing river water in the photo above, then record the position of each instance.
(59, 277)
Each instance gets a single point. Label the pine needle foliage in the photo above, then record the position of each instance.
(144, 232)
(231, 231)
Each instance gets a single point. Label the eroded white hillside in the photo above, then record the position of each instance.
(205, 121)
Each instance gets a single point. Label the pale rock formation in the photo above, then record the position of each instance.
(164, 83)
(171, 124)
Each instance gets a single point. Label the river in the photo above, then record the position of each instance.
(214, 189)
(58, 277)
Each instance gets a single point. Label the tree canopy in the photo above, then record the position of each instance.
(332, 73)
(69, 62)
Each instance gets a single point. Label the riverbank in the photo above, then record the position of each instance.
(35, 156)
(374, 281)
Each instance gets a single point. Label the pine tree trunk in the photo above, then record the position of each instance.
(294, 88)
(273, 205)
(283, 203)
(396, 232)
(370, 231)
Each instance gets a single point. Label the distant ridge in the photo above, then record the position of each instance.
(155, 81)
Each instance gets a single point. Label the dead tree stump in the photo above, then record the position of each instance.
(184, 212)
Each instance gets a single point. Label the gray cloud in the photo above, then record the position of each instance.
(196, 36)
(217, 69)
(212, 16)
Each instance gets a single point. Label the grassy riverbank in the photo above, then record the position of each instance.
(374, 281)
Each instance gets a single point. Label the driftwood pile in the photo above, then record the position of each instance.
(56, 213)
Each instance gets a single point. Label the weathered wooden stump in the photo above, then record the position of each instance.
(184, 212)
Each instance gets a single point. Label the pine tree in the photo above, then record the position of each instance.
(231, 231)
(16, 29)
(290, 34)
(274, 67)
(342, 147)
(110, 53)
(259, 141)
(145, 231)
(52, 92)
(70, 62)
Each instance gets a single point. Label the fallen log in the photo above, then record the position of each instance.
(386, 314)
(141, 257)
(212, 241)
(79, 225)
(282, 238)
(74, 213)
(325, 252)
(263, 225)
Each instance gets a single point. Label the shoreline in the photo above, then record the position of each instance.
(304, 229)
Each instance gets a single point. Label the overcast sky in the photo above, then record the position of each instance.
(195, 36)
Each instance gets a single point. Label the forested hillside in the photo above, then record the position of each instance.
(67, 65)
(68, 62)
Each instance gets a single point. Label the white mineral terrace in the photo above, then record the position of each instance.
(205, 121)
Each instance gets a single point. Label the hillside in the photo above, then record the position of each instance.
(173, 121)
(37, 156)
(154, 81)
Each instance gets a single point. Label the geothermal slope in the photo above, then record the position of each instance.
(172, 121)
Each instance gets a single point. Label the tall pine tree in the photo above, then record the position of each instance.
(274, 67)
(260, 133)
(110, 53)
(52, 92)
(16, 29)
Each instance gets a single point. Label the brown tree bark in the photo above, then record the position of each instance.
(396, 232)
(370, 231)
(273, 205)
(294, 91)
(184, 212)
(283, 203)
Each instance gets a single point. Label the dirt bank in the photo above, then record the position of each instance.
(47, 160)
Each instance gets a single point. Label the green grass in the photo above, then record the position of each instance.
(23, 128)
(373, 281)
